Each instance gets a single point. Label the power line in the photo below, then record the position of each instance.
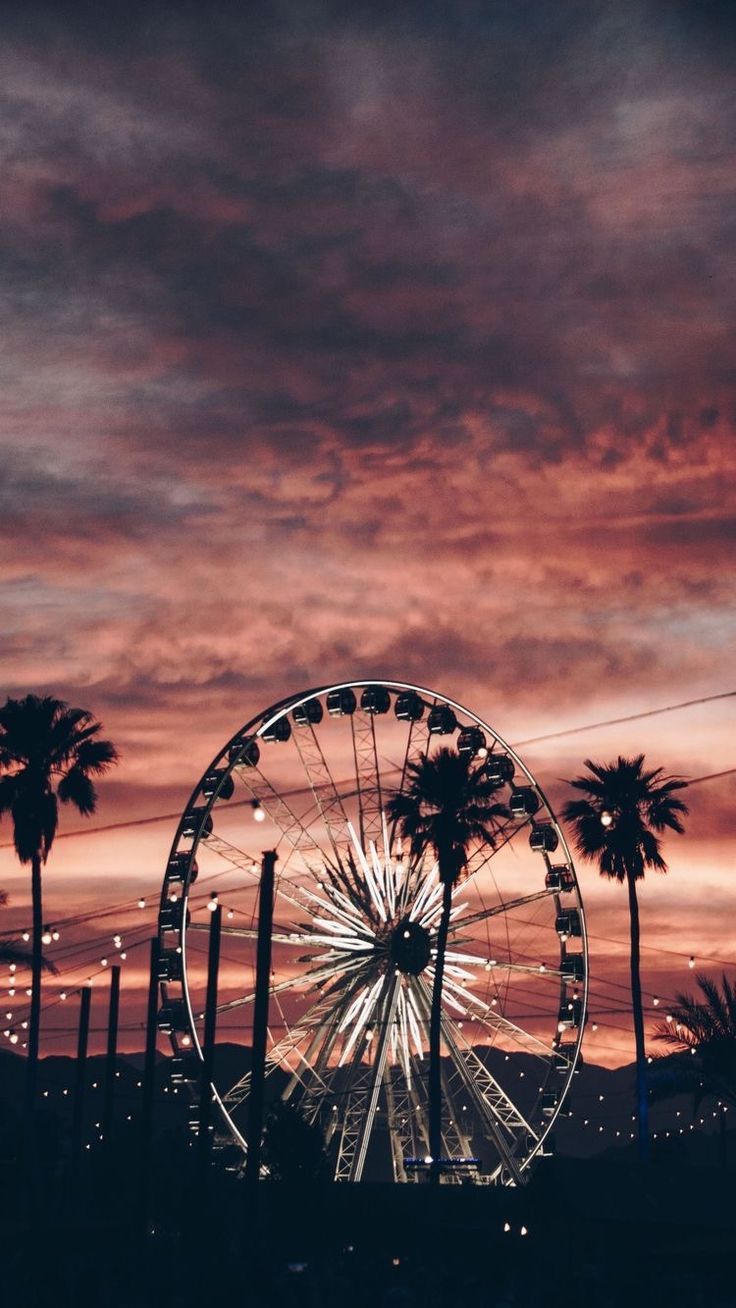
(530, 740)
(630, 717)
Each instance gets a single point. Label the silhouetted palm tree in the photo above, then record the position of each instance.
(48, 753)
(702, 1034)
(616, 824)
(448, 803)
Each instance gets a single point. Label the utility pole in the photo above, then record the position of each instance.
(260, 1019)
(112, 1055)
(80, 1082)
(204, 1141)
(149, 1077)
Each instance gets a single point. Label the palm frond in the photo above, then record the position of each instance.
(76, 788)
(13, 951)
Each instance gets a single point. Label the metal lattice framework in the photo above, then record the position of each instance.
(349, 1021)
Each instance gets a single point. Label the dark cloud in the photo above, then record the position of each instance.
(388, 341)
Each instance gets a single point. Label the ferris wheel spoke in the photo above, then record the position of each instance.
(310, 979)
(499, 1114)
(280, 937)
(245, 863)
(485, 964)
(481, 857)
(292, 828)
(312, 1023)
(327, 798)
(464, 1003)
(363, 1077)
(457, 1143)
(484, 914)
(373, 1088)
(367, 777)
(314, 1078)
(495, 1023)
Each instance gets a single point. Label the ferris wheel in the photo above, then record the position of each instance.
(353, 945)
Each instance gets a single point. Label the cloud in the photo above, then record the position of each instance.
(392, 343)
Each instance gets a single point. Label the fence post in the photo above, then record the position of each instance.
(254, 1130)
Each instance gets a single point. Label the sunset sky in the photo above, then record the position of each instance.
(392, 340)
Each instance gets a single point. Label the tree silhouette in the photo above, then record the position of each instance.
(448, 803)
(617, 825)
(293, 1149)
(702, 1033)
(48, 754)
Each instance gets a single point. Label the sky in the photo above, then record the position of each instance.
(385, 340)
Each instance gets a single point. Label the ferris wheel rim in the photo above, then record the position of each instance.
(255, 729)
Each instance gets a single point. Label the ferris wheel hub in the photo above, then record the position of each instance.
(410, 947)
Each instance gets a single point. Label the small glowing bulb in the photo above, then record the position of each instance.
(29, 992)
(26, 936)
(13, 1037)
(62, 995)
(186, 1040)
(212, 903)
(230, 914)
(523, 1229)
(123, 955)
(655, 1000)
(691, 962)
(12, 967)
(55, 934)
(507, 1226)
(141, 903)
(11, 991)
(259, 813)
(46, 936)
(606, 819)
(103, 962)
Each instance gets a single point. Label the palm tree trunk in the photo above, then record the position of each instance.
(36, 966)
(435, 1031)
(642, 1102)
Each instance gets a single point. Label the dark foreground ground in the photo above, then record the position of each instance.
(581, 1233)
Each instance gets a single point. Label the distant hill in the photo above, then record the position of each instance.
(600, 1098)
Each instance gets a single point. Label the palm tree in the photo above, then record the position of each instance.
(48, 754)
(617, 825)
(702, 1034)
(448, 803)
